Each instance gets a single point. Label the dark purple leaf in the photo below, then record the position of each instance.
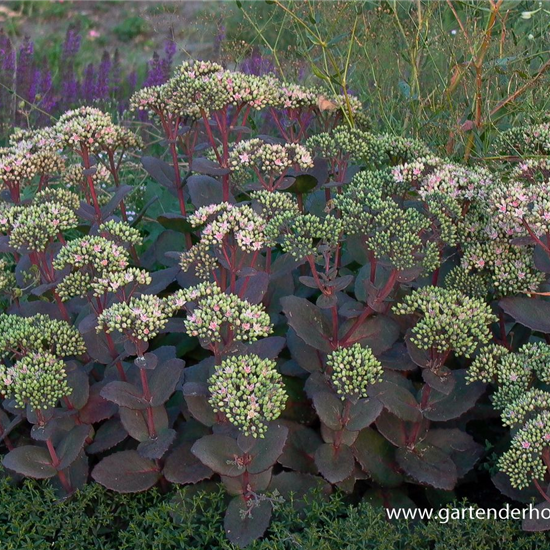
(163, 380)
(205, 190)
(428, 465)
(364, 413)
(530, 312)
(206, 166)
(109, 434)
(219, 453)
(377, 458)
(244, 525)
(126, 472)
(124, 394)
(160, 171)
(329, 408)
(399, 401)
(334, 463)
(298, 452)
(266, 450)
(71, 445)
(30, 461)
(182, 466)
(156, 447)
(308, 322)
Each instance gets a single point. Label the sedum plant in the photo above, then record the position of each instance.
(317, 307)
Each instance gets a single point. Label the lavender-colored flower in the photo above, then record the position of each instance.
(155, 72)
(257, 64)
(102, 88)
(89, 83)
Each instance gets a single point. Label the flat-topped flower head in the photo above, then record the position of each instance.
(532, 139)
(249, 392)
(151, 99)
(393, 232)
(141, 318)
(350, 143)
(399, 150)
(470, 283)
(39, 333)
(92, 260)
(24, 161)
(512, 373)
(75, 179)
(294, 96)
(272, 204)
(200, 87)
(525, 407)
(7, 277)
(37, 380)
(509, 268)
(121, 233)
(270, 162)
(114, 281)
(523, 461)
(33, 227)
(58, 195)
(305, 234)
(211, 315)
(353, 370)
(449, 320)
(223, 225)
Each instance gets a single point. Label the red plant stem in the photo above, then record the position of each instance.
(55, 463)
(15, 193)
(89, 179)
(384, 293)
(6, 439)
(116, 179)
(345, 419)
(311, 263)
(423, 402)
(335, 326)
(112, 351)
(147, 397)
(541, 490)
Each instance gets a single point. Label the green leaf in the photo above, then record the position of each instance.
(30, 461)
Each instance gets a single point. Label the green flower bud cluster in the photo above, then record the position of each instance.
(270, 160)
(513, 373)
(7, 277)
(74, 177)
(249, 391)
(391, 231)
(141, 318)
(272, 204)
(532, 170)
(525, 407)
(37, 334)
(525, 140)
(93, 259)
(33, 227)
(305, 234)
(121, 233)
(410, 174)
(353, 370)
(38, 379)
(467, 282)
(399, 149)
(523, 461)
(449, 320)
(151, 99)
(23, 161)
(61, 196)
(294, 96)
(202, 87)
(510, 268)
(239, 223)
(519, 203)
(114, 281)
(346, 142)
(93, 129)
(211, 313)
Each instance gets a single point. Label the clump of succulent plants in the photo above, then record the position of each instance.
(322, 307)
